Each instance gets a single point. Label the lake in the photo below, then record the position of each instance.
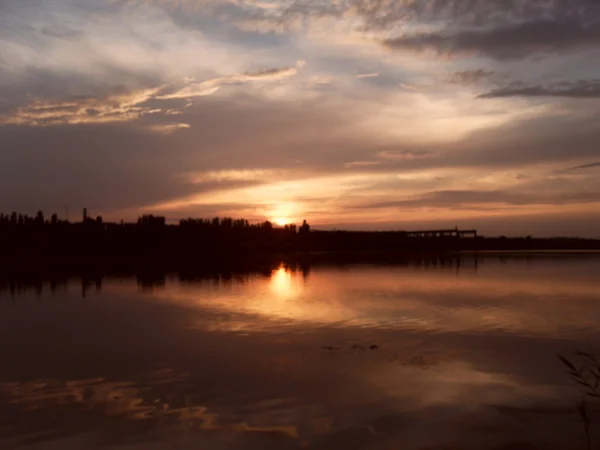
(458, 354)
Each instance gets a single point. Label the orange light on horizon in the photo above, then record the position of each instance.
(281, 221)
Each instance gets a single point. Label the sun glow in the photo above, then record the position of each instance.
(281, 221)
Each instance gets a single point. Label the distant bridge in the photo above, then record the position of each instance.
(441, 233)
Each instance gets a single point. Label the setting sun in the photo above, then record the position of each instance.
(281, 221)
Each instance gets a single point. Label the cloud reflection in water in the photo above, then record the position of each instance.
(464, 354)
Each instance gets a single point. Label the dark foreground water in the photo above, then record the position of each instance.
(328, 357)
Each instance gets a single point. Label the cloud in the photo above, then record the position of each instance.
(408, 87)
(113, 108)
(577, 89)
(131, 105)
(383, 16)
(404, 155)
(168, 128)
(467, 77)
(316, 81)
(209, 87)
(353, 164)
(384, 157)
(542, 138)
(367, 75)
(231, 175)
(474, 198)
(461, 13)
(586, 166)
(509, 41)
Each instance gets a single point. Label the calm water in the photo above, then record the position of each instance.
(355, 356)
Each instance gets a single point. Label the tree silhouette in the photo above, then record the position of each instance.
(304, 228)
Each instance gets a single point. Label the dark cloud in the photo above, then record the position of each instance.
(510, 41)
(473, 12)
(468, 198)
(547, 138)
(586, 166)
(386, 15)
(471, 76)
(577, 89)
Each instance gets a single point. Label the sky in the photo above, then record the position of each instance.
(357, 114)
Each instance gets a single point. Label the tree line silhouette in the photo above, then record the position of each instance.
(22, 223)
(29, 240)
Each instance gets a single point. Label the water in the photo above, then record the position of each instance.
(330, 356)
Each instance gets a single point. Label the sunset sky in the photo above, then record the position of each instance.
(360, 114)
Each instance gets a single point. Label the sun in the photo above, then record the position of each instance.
(281, 221)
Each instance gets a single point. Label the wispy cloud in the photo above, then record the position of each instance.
(585, 166)
(131, 105)
(368, 75)
(168, 128)
(408, 87)
(353, 164)
(232, 175)
(577, 89)
(404, 155)
(471, 198)
(113, 108)
(318, 80)
(389, 156)
(209, 87)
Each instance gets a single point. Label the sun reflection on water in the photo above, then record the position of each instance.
(282, 283)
